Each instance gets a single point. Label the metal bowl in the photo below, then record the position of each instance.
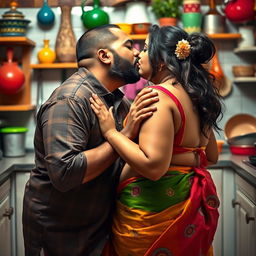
(246, 139)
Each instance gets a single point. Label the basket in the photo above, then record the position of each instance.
(243, 71)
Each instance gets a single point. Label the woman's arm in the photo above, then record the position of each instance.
(152, 155)
(211, 150)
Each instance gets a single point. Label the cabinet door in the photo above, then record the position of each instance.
(245, 225)
(218, 179)
(5, 222)
(224, 240)
(21, 180)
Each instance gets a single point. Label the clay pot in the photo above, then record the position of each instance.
(11, 76)
(167, 21)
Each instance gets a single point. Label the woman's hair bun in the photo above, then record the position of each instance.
(202, 48)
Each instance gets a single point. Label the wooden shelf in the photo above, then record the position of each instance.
(245, 49)
(62, 65)
(225, 36)
(16, 107)
(244, 80)
(17, 40)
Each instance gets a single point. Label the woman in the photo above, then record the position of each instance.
(167, 202)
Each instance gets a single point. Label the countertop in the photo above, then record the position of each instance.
(226, 160)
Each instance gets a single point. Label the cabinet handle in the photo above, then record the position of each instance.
(248, 218)
(234, 203)
(8, 213)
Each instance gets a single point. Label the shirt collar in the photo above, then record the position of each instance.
(98, 87)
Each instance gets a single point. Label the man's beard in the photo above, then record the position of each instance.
(122, 69)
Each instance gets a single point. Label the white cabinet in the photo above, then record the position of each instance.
(245, 205)
(224, 240)
(5, 219)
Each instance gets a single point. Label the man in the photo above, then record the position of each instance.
(70, 195)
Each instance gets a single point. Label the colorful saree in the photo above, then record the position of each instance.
(176, 215)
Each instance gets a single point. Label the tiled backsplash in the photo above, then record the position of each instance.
(242, 98)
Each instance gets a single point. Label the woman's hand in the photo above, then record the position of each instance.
(141, 109)
(105, 116)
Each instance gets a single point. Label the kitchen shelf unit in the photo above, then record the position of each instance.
(225, 36)
(20, 101)
(245, 50)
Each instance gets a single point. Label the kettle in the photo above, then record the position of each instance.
(239, 11)
(11, 76)
(94, 18)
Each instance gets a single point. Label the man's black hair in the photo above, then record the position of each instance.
(94, 39)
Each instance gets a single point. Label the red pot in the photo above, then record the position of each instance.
(239, 11)
(243, 150)
(11, 76)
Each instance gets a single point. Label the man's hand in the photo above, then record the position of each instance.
(141, 108)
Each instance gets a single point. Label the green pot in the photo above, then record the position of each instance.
(192, 21)
(94, 18)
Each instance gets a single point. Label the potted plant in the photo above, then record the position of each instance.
(166, 11)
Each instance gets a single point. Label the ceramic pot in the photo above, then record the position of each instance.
(192, 21)
(46, 54)
(167, 21)
(65, 46)
(94, 18)
(240, 11)
(11, 76)
(45, 16)
(13, 22)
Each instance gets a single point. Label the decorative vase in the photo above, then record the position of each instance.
(11, 76)
(94, 18)
(46, 54)
(65, 46)
(45, 16)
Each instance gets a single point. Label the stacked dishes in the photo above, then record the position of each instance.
(240, 132)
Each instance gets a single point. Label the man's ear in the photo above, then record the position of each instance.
(104, 56)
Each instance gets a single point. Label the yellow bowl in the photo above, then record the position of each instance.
(127, 28)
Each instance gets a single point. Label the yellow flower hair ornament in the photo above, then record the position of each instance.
(182, 49)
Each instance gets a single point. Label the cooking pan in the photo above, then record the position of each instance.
(246, 139)
(248, 150)
(240, 124)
